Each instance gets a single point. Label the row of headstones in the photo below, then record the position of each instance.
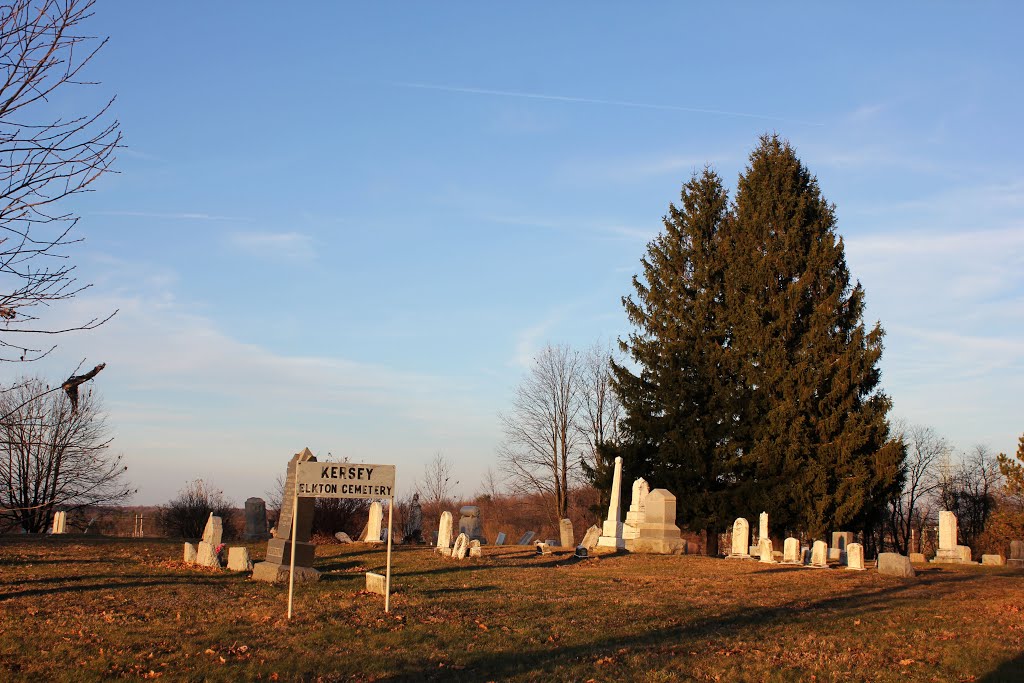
(207, 554)
(818, 555)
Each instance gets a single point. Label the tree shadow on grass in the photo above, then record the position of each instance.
(112, 585)
(20, 562)
(539, 662)
(438, 592)
(1007, 672)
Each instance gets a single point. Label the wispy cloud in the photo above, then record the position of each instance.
(180, 215)
(599, 101)
(585, 172)
(291, 246)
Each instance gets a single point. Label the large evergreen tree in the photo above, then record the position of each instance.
(758, 380)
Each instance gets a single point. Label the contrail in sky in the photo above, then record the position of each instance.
(591, 100)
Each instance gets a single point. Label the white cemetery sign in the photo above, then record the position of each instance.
(344, 480)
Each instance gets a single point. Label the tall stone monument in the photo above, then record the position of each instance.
(611, 531)
(255, 520)
(635, 516)
(740, 539)
(948, 550)
(275, 567)
(762, 527)
(658, 532)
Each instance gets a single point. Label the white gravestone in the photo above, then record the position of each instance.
(611, 534)
(461, 547)
(238, 560)
(206, 556)
(373, 524)
(658, 532)
(565, 534)
(590, 538)
(791, 551)
(60, 521)
(444, 534)
(948, 550)
(766, 551)
(762, 527)
(993, 560)
(740, 538)
(190, 554)
(474, 549)
(376, 583)
(819, 554)
(855, 556)
(214, 531)
(635, 516)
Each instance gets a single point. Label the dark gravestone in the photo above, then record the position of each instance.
(1016, 554)
(255, 520)
(278, 561)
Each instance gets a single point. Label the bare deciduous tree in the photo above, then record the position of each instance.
(437, 480)
(52, 457)
(46, 155)
(968, 489)
(541, 446)
(601, 409)
(910, 511)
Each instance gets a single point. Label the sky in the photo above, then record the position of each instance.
(351, 226)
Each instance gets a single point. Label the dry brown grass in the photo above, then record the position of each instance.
(89, 609)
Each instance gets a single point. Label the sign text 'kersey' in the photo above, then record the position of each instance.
(344, 480)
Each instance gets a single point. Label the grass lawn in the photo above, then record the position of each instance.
(86, 609)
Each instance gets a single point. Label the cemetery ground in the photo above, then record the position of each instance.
(79, 608)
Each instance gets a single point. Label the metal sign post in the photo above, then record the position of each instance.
(343, 480)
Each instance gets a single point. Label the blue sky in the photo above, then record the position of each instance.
(349, 227)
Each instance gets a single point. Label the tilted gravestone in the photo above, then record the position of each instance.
(461, 547)
(255, 520)
(527, 537)
(206, 553)
(279, 548)
(590, 538)
(500, 540)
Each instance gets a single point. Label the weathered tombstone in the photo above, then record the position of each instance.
(214, 530)
(474, 549)
(190, 554)
(580, 552)
(374, 523)
(500, 540)
(611, 534)
(238, 560)
(376, 583)
(894, 564)
(543, 549)
(206, 556)
(819, 554)
(965, 554)
(415, 525)
(740, 538)
(917, 557)
(590, 538)
(762, 527)
(565, 533)
(461, 547)
(470, 523)
(444, 534)
(791, 551)
(658, 532)
(993, 560)
(841, 539)
(527, 537)
(342, 537)
(279, 549)
(255, 520)
(855, 556)
(635, 516)
(60, 520)
(766, 551)
(1016, 554)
